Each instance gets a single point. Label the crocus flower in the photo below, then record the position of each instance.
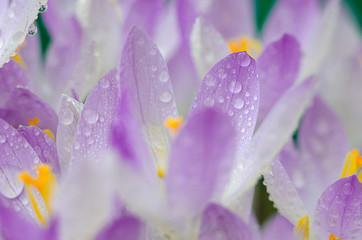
(304, 180)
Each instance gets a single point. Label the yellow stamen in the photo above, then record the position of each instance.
(173, 124)
(332, 237)
(34, 121)
(352, 164)
(18, 58)
(252, 46)
(301, 229)
(50, 134)
(161, 172)
(46, 185)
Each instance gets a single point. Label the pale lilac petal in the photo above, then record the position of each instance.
(144, 13)
(283, 193)
(14, 25)
(69, 115)
(295, 17)
(207, 45)
(278, 67)
(127, 227)
(219, 223)
(231, 18)
(200, 161)
(271, 136)
(339, 210)
(43, 145)
(94, 126)
(11, 75)
(187, 14)
(23, 105)
(84, 200)
(128, 139)
(16, 155)
(320, 42)
(322, 138)
(144, 73)
(13, 226)
(232, 87)
(278, 228)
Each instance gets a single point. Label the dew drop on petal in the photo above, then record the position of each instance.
(32, 29)
(90, 116)
(235, 87)
(10, 186)
(238, 103)
(18, 37)
(105, 83)
(163, 77)
(210, 80)
(165, 97)
(2, 139)
(43, 8)
(243, 59)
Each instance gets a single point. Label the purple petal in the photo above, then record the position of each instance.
(232, 87)
(16, 155)
(11, 75)
(23, 105)
(187, 14)
(220, 223)
(231, 18)
(69, 115)
(94, 126)
(207, 45)
(271, 136)
(128, 139)
(144, 73)
(323, 140)
(295, 17)
(43, 145)
(144, 13)
(14, 227)
(278, 228)
(283, 193)
(339, 210)
(200, 161)
(278, 67)
(122, 228)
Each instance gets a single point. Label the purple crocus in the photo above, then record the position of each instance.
(304, 179)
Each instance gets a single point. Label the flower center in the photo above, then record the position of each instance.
(46, 184)
(352, 164)
(301, 229)
(332, 237)
(35, 121)
(252, 46)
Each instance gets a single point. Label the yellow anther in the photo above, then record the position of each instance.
(301, 229)
(34, 121)
(46, 185)
(50, 134)
(252, 46)
(332, 237)
(174, 124)
(352, 164)
(161, 172)
(18, 58)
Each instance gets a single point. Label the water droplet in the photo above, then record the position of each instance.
(220, 99)
(210, 80)
(6, 126)
(243, 59)
(347, 188)
(247, 94)
(43, 8)
(42, 2)
(231, 113)
(154, 68)
(141, 41)
(36, 132)
(221, 73)
(87, 131)
(235, 87)
(66, 116)
(228, 65)
(90, 141)
(2, 139)
(18, 37)
(242, 130)
(90, 116)
(163, 76)
(209, 101)
(105, 83)
(238, 103)
(32, 29)
(166, 97)
(10, 185)
(76, 145)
